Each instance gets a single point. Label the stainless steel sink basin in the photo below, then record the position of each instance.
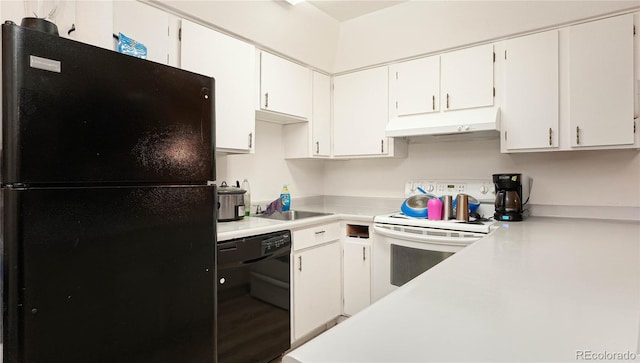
(293, 215)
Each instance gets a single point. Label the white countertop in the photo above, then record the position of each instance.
(343, 208)
(539, 290)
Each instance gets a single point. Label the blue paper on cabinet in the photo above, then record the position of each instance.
(130, 46)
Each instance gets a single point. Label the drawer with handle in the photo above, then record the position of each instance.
(314, 236)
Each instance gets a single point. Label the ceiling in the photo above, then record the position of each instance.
(349, 9)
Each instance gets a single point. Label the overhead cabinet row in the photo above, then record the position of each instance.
(565, 89)
(467, 82)
(572, 88)
(443, 94)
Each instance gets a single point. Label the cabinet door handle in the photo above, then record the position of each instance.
(550, 138)
(317, 147)
(447, 101)
(319, 233)
(250, 140)
(577, 135)
(364, 255)
(433, 102)
(300, 263)
(266, 100)
(382, 146)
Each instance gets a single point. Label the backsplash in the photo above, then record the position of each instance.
(575, 178)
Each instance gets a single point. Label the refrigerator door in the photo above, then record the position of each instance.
(75, 113)
(122, 274)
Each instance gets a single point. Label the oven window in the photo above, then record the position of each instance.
(407, 262)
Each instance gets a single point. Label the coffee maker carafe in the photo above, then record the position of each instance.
(509, 197)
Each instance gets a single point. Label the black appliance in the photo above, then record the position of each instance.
(254, 320)
(108, 219)
(509, 197)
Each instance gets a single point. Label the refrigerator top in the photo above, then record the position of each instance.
(78, 114)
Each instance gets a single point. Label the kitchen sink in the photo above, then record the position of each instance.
(293, 215)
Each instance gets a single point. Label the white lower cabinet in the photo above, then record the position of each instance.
(316, 278)
(356, 274)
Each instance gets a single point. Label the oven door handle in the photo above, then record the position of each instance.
(423, 237)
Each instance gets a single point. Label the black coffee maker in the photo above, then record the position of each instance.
(509, 197)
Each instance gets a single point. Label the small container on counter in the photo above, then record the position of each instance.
(462, 207)
(247, 197)
(434, 209)
(447, 207)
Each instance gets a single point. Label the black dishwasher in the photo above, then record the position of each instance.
(254, 320)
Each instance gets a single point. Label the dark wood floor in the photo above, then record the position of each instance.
(252, 329)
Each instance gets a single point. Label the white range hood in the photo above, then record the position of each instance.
(444, 123)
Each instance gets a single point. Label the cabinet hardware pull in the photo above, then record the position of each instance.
(364, 256)
(382, 146)
(300, 263)
(266, 100)
(577, 135)
(447, 101)
(505, 136)
(550, 133)
(433, 102)
(320, 232)
(250, 140)
(317, 147)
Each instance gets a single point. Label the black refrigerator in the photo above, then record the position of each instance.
(108, 224)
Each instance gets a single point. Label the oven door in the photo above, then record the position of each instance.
(401, 253)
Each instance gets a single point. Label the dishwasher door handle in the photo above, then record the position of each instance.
(254, 260)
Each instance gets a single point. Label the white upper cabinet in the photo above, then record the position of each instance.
(312, 139)
(321, 119)
(414, 87)
(149, 26)
(285, 87)
(530, 113)
(360, 113)
(601, 78)
(231, 63)
(467, 78)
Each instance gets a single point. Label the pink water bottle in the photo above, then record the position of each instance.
(434, 209)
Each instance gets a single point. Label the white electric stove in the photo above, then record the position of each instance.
(409, 246)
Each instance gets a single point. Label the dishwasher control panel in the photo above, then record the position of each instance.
(275, 243)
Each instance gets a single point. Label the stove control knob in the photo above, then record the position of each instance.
(484, 189)
(430, 188)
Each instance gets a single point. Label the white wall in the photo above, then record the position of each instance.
(421, 27)
(267, 170)
(301, 32)
(580, 178)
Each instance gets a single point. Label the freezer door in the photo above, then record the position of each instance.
(110, 275)
(75, 113)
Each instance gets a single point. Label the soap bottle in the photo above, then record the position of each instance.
(285, 198)
(247, 197)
